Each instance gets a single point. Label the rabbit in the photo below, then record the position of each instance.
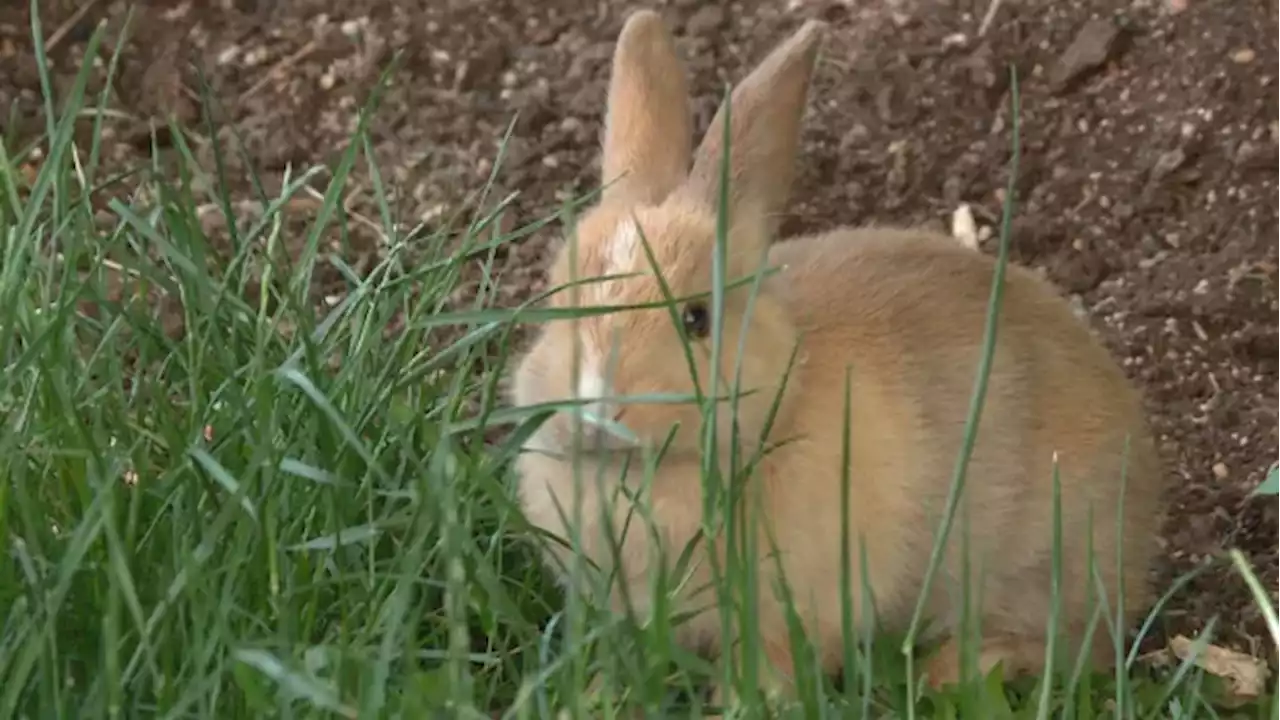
(902, 311)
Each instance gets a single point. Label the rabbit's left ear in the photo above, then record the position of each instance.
(647, 130)
(764, 131)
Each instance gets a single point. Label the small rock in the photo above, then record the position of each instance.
(212, 222)
(546, 33)
(963, 227)
(1220, 471)
(984, 69)
(705, 21)
(534, 106)
(162, 93)
(952, 188)
(1091, 48)
(1168, 162)
(1252, 156)
(896, 180)
(1246, 151)
(1077, 306)
(516, 153)
(590, 58)
(587, 100)
(482, 69)
(855, 137)
(1159, 257)
(934, 225)
(1243, 56)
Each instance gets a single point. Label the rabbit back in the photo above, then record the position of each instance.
(903, 312)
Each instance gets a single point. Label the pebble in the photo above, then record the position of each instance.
(706, 20)
(1243, 56)
(483, 68)
(1168, 162)
(1090, 49)
(1220, 471)
(963, 227)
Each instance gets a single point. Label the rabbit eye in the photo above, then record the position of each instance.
(696, 319)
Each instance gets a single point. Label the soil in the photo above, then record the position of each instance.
(1147, 188)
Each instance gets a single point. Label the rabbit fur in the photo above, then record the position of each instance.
(898, 311)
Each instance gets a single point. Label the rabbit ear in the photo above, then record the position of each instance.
(647, 130)
(764, 134)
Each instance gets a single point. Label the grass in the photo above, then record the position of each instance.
(286, 512)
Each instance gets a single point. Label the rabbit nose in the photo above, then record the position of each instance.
(601, 413)
(603, 422)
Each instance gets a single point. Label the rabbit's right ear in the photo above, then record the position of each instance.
(764, 130)
(647, 129)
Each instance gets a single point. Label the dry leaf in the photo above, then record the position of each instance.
(1161, 658)
(1246, 676)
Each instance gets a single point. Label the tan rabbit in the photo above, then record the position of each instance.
(904, 310)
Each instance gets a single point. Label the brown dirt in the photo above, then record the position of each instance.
(1147, 191)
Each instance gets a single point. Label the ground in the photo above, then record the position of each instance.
(1147, 188)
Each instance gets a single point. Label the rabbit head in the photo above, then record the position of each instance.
(652, 238)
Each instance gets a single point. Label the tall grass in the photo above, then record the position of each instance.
(286, 512)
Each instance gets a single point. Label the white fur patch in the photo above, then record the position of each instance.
(590, 380)
(591, 386)
(624, 248)
(621, 251)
